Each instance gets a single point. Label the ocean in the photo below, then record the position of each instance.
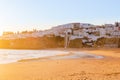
(11, 55)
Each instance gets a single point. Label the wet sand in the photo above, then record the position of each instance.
(107, 68)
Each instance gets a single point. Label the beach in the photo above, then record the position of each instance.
(107, 68)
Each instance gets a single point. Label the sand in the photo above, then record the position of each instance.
(68, 69)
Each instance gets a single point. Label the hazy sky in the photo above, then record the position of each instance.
(43, 14)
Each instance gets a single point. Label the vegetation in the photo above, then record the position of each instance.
(76, 43)
(119, 43)
(53, 42)
(101, 42)
(33, 43)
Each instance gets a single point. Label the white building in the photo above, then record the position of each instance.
(77, 30)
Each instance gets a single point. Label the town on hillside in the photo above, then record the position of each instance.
(87, 33)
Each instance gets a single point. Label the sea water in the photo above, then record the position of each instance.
(9, 55)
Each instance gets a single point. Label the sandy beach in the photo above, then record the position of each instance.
(107, 68)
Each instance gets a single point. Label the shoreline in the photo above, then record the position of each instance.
(71, 55)
(107, 68)
(45, 58)
(65, 54)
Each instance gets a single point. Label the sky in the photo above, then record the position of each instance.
(18, 15)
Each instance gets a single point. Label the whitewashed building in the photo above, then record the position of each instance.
(76, 30)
